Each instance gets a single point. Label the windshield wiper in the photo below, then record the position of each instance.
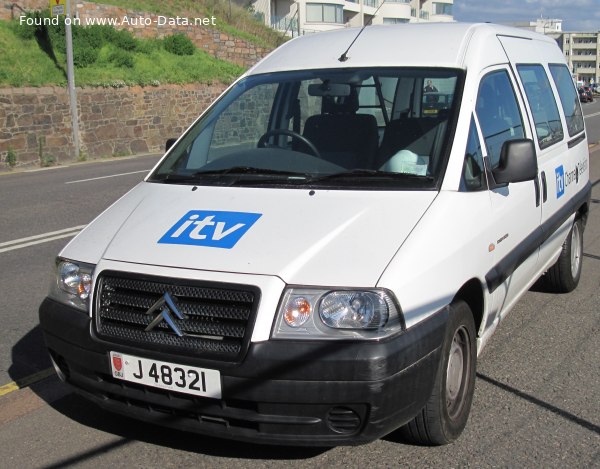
(241, 175)
(242, 170)
(231, 176)
(362, 174)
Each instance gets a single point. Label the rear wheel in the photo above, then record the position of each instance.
(445, 415)
(563, 276)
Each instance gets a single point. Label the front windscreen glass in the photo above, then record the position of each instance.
(351, 128)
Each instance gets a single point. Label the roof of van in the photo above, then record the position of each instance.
(410, 44)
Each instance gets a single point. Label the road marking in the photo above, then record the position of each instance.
(27, 381)
(105, 177)
(39, 239)
(595, 114)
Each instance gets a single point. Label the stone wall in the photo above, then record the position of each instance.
(13, 9)
(35, 123)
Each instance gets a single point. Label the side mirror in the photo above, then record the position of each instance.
(518, 162)
(169, 143)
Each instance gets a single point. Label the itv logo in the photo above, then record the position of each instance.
(560, 181)
(210, 228)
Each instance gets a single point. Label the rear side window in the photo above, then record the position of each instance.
(542, 103)
(498, 113)
(568, 97)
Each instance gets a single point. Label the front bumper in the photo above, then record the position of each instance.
(283, 392)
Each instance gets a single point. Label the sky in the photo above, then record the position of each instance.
(577, 15)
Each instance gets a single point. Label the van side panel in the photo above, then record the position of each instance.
(564, 165)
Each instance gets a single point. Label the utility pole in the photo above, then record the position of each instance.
(71, 82)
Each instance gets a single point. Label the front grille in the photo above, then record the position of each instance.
(217, 318)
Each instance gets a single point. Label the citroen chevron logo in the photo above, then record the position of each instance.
(166, 307)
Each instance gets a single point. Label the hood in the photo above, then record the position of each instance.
(320, 237)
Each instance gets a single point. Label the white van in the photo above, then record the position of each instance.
(321, 256)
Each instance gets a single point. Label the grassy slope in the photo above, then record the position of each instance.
(23, 63)
(230, 18)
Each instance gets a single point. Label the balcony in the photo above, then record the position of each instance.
(287, 24)
(584, 45)
(424, 15)
(581, 70)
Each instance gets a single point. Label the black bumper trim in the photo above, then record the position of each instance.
(284, 392)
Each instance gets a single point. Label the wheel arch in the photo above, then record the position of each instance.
(472, 294)
(582, 213)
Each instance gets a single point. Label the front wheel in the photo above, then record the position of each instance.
(563, 276)
(445, 415)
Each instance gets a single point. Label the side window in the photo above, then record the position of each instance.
(542, 104)
(473, 175)
(498, 113)
(568, 98)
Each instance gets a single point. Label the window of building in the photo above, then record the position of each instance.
(568, 98)
(442, 9)
(498, 113)
(324, 13)
(542, 104)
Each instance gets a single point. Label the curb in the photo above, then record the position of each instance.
(34, 169)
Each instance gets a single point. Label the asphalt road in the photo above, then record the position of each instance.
(537, 400)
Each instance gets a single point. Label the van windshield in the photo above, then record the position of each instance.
(351, 128)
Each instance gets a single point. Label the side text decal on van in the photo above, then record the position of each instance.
(210, 228)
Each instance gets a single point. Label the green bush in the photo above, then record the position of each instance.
(11, 157)
(122, 59)
(57, 36)
(123, 40)
(148, 46)
(179, 44)
(84, 56)
(24, 31)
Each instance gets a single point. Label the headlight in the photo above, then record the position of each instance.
(73, 283)
(306, 313)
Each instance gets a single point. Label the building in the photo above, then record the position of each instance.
(542, 25)
(294, 17)
(581, 49)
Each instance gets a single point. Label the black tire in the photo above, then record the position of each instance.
(445, 415)
(563, 276)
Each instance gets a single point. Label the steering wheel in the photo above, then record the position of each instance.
(290, 133)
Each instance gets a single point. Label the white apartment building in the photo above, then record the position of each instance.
(296, 17)
(581, 49)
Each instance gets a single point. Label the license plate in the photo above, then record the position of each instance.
(165, 375)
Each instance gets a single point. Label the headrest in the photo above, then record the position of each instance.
(341, 104)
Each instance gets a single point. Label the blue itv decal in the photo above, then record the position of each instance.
(560, 181)
(210, 228)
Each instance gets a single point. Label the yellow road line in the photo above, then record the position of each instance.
(27, 381)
